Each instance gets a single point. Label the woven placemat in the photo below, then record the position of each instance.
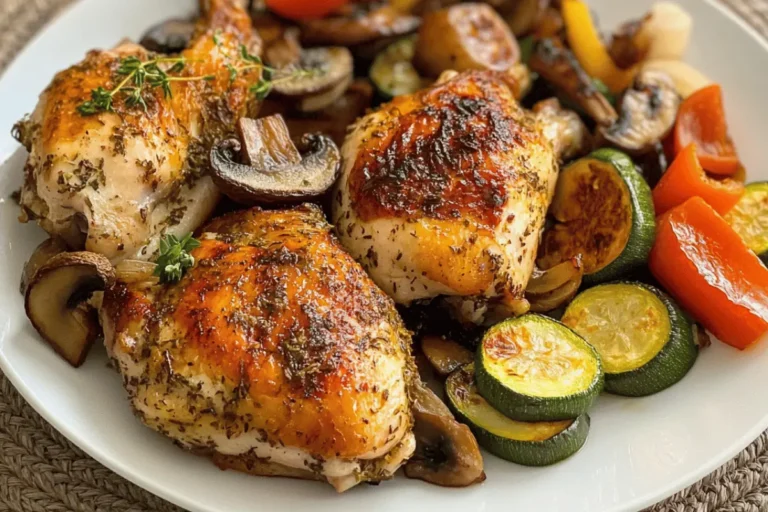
(40, 470)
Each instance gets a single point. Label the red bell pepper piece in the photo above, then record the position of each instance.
(708, 269)
(685, 179)
(701, 119)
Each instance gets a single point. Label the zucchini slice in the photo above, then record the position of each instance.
(604, 212)
(644, 339)
(749, 218)
(530, 444)
(533, 368)
(393, 73)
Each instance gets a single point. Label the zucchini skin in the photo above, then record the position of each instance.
(522, 407)
(532, 453)
(669, 366)
(643, 234)
(528, 453)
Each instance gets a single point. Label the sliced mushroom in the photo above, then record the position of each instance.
(285, 50)
(447, 452)
(647, 114)
(559, 67)
(56, 301)
(563, 128)
(359, 24)
(329, 73)
(464, 37)
(273, 170)
(445, 355)
(170, 36)
(44, 252)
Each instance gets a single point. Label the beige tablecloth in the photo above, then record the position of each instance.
(41, 471)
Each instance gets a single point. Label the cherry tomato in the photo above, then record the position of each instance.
(304, 9)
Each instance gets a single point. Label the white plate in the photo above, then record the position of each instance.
(639, 450)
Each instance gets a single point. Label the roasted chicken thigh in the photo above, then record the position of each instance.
(275, 353)
(115, 181)
(444, 193)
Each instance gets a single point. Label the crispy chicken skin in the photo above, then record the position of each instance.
(276, 347)
(444, 192)
(115, 182)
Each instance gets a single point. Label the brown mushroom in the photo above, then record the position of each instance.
(170, 36)
(358, 24)
(284, 50)
(464, 37)
(45, 251)
(273, 170)
(445, 355)
(328, 74)
(447, 452)
(56, 301)
(559, 67)
(648, 111)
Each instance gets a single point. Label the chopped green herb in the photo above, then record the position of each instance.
(174, 257)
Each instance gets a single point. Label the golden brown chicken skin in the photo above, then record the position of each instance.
(275, 346)
(444, 192)
(115, 181)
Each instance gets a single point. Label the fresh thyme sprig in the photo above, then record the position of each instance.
(138, 77)
(174, 257)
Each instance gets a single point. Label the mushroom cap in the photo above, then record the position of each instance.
(329, 75)
(56, 297)
(447, 452)
(276, 173)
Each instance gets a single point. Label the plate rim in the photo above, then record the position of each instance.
(178, 499)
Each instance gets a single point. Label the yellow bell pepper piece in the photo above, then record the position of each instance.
(589, 49)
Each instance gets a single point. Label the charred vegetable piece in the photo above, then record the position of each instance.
(685, 179)
(749, 218)
(533, 368)
(393, 72)
(445, 355)
(647, 114)
(557, 65)
(529, 444)
(464, 37)
(447, 453)
(56, 301)
(645, 341)
(273, 169)
(328, 74)
(702, 120)
(706, 266)
(522, 16)
(629, 44)
(357, 25)
(171, 36)
(604, 213)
